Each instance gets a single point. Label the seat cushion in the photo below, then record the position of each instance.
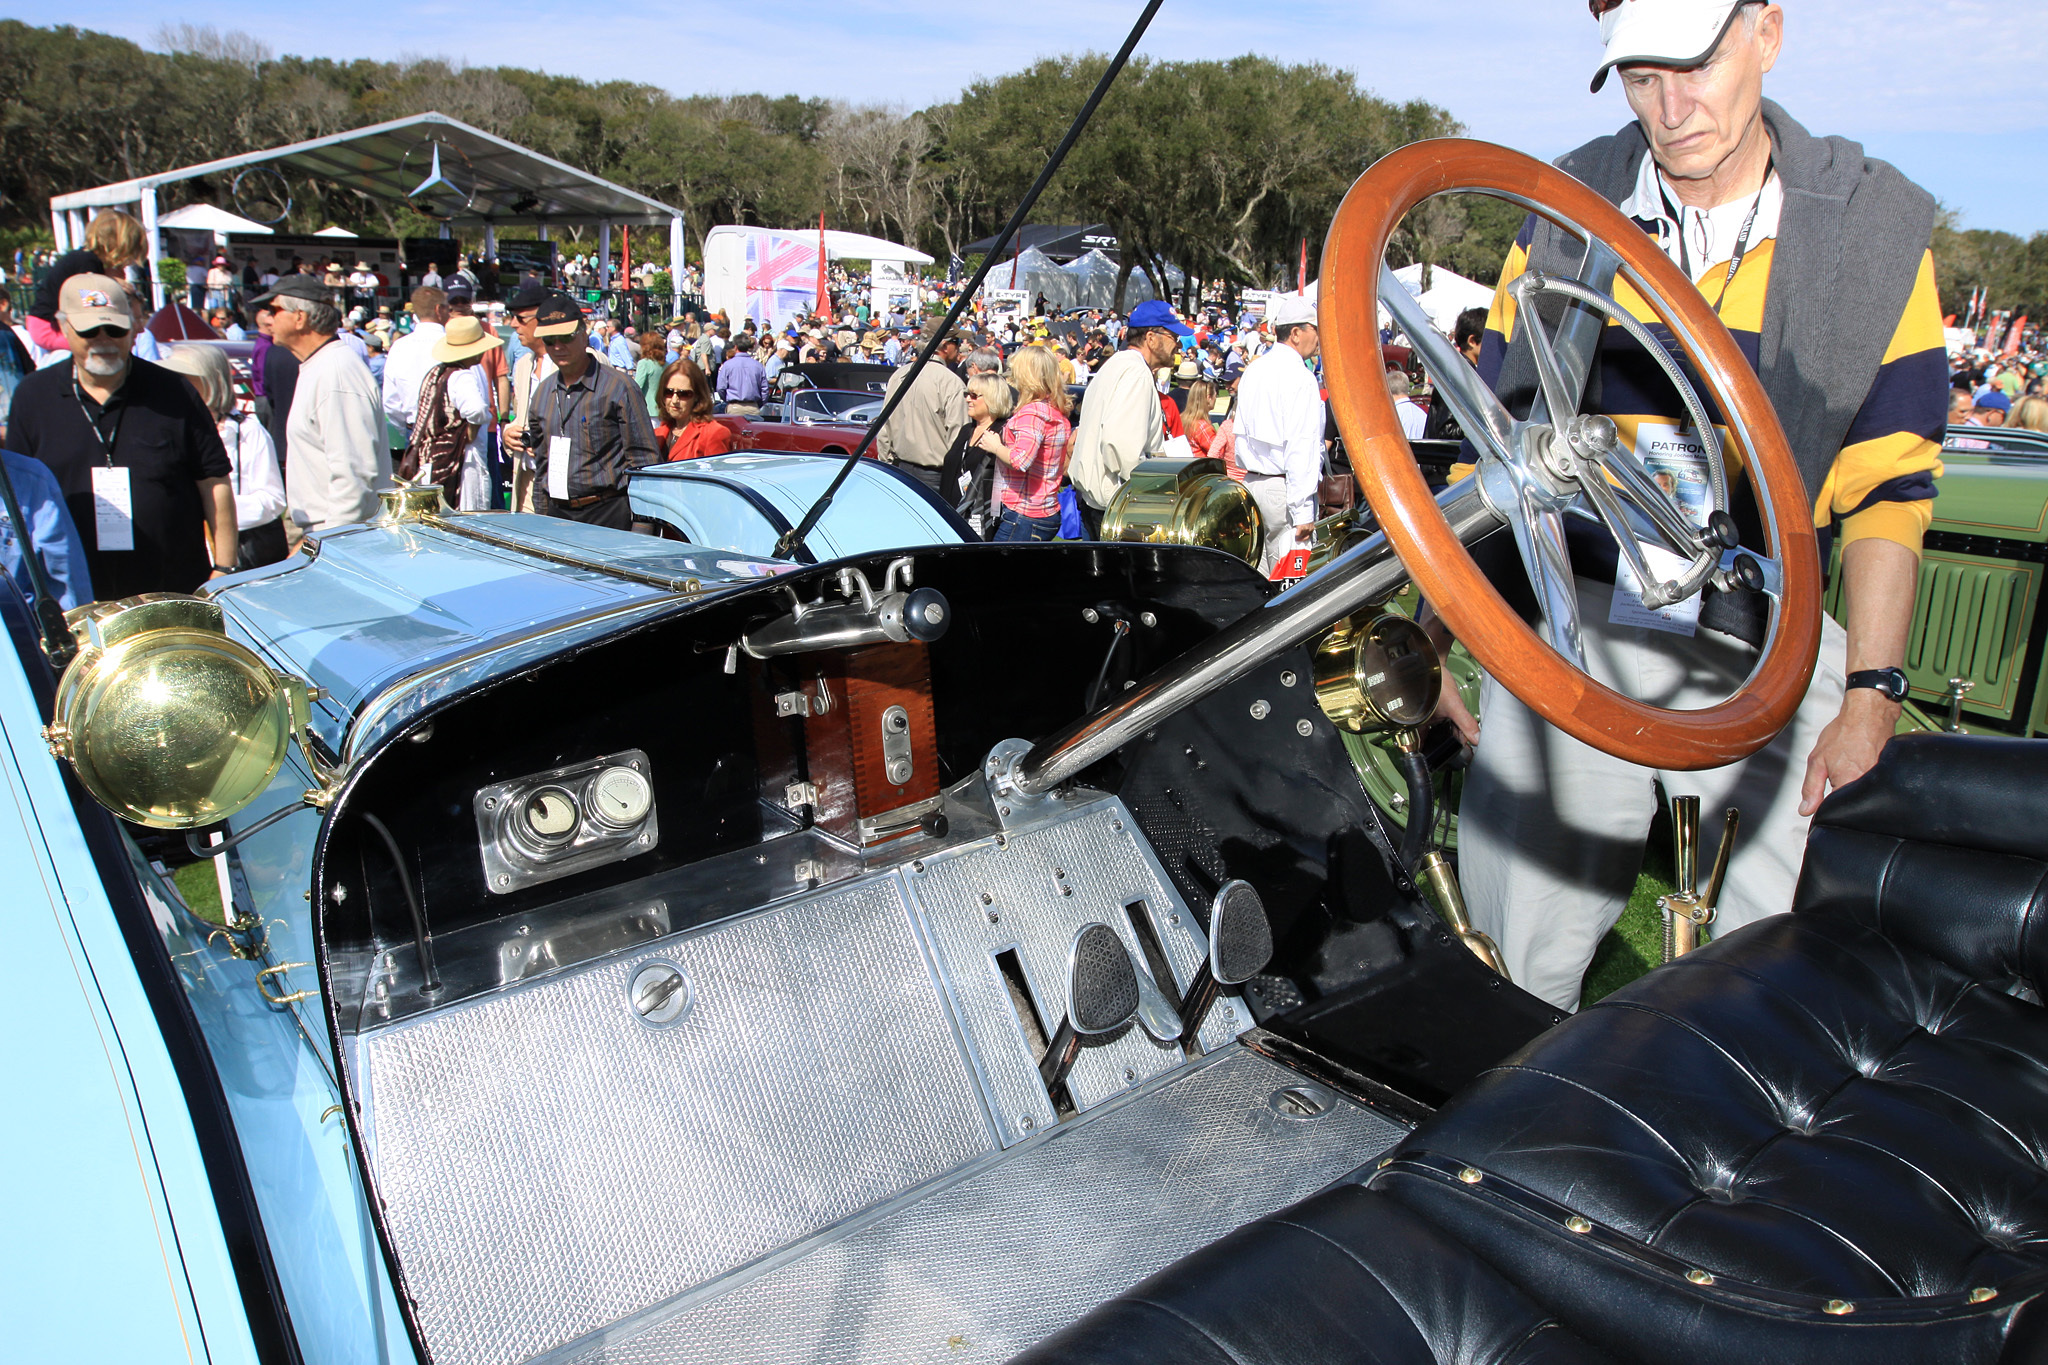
(1345, 1276)
(1805, 1106)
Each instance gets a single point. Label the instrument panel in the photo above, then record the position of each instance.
(546, 825)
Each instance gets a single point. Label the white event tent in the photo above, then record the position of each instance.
(461, 175)
(1448, 295)
(207, 218)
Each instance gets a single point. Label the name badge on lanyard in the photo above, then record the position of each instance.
(558, 468)
(113, 496)
(1677, 460)
(113, 508)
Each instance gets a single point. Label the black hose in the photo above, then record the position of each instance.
(793, 539)
(200, 850)
(1116, 638)
(430, 979)
(1421, 807)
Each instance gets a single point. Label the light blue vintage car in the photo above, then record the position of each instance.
(640, 949)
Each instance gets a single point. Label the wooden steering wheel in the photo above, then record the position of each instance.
(1534, 472)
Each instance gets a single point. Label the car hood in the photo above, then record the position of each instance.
(386, 616)
(1993, 493)
(876, 509)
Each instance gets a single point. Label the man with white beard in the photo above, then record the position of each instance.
(134, 450)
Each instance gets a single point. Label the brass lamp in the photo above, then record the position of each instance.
(167, 721)
(1186, 502)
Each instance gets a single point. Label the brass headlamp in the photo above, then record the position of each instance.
(167, 721)
(1186, 502)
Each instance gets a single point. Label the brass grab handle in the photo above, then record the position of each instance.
(291, 998)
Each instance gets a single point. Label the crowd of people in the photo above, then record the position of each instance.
(169, 473)
(1998, 390)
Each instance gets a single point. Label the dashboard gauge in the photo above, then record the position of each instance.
(620, 797)
(549, 815)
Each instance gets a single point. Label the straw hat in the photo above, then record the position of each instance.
(464, 339)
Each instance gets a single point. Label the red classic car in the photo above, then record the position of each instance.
(829, 421)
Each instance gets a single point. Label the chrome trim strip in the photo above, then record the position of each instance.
(460, 526)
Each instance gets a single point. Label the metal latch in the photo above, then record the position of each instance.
(897, 762)
(797, 795)
(792, 704)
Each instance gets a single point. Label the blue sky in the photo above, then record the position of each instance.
(1949, 91)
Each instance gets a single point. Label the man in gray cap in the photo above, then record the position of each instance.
(135, 453)
(1280, 428)
(1816, 259)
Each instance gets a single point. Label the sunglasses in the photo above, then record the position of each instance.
(103, 333)
(1600, 7)
(679, 393)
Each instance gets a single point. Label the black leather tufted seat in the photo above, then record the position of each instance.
(1346, 1276)
(1823, 1138)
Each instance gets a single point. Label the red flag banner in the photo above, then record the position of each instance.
(824, 304)
(1301, 273)
(1292, 565)
(2012, 338)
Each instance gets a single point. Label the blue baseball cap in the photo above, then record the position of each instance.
(1159, 313)
(1994, 398)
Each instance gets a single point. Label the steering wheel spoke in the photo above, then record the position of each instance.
(1642, 493)
(1482, 416)
(1561, 391)
(1539, 537)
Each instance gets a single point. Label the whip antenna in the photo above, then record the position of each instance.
(792, 541)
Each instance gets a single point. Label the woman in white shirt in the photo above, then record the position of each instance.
(258, 487)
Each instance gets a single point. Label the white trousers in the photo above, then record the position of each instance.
(1551, 831)
(1269, 491)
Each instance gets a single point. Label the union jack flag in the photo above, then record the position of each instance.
(782, 277)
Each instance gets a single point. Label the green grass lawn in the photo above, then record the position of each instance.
(196, 883)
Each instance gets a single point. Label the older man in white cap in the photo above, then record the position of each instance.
(1280, 428)
(1816, 259)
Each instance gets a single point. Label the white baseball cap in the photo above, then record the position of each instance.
(1289, 309)
(1660, 32)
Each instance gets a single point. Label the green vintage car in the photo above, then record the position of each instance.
(1974, 655)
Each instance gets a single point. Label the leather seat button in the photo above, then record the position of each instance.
(1803, 1124)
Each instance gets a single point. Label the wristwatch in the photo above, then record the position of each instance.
(224, 568)
(1889, 681)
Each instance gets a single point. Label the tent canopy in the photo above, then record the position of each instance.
(464, 176)
(858, 246)
(207, 218)
(1449, 294)
(1062, 243)
(487, 179)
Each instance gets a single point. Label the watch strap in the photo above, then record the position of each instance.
(1889, 681)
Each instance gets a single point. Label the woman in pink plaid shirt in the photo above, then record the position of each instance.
(1031, 453)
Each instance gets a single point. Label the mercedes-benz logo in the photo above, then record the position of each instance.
(448, 184)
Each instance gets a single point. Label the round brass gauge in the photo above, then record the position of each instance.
(619, 797)
(548, 817)
(1381, 674)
